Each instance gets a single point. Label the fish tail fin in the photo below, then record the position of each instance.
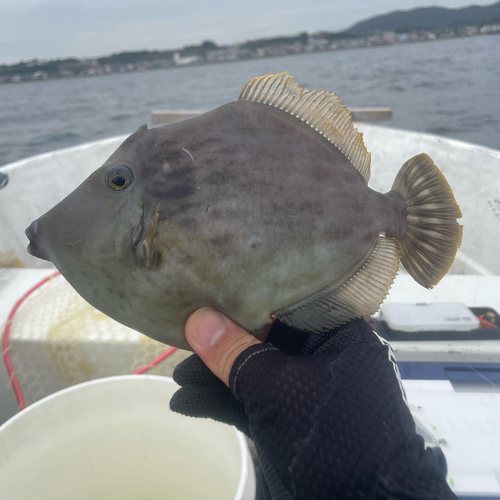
(433, 235)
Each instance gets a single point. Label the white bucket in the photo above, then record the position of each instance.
(116, 439)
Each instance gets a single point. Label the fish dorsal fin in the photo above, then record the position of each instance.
(320, 109)
(360, 296)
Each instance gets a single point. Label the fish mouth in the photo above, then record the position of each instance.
(33, 247)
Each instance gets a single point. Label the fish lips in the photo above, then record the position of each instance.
(34, 247)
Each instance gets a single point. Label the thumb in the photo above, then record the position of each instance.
(217, 340)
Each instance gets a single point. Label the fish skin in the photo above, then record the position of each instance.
(257, 212)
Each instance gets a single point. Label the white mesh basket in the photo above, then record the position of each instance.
(57, 339)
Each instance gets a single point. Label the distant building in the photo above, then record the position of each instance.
(317, 41)
(184, 61)
(223, 54)
(389, 37)
(39, 75)
(421, 36)
(468, 31)
(490, 29)
(374, 40)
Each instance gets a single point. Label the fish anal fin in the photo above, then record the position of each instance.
(360, 296)
(320, 109)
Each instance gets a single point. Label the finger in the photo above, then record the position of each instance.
(267, 328)
(217, 340)
(210, 402)
(192, 371)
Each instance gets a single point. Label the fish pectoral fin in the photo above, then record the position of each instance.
(320, 109)
(360, 296)
(147, 253)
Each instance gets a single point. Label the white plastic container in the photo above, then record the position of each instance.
(440, 316)
(116, 439)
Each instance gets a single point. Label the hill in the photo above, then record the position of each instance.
(428, 18)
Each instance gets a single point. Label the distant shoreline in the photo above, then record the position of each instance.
(396, 27)
(217, 56)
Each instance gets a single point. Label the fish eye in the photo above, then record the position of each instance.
(119, 178)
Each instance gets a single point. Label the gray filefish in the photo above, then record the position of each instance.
(260, 207)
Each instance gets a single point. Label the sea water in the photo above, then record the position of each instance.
(449, 88)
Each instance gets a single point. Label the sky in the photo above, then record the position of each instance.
(48, 29)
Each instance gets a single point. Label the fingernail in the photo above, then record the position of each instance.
(209, 325)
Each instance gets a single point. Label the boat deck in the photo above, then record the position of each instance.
(470, 290)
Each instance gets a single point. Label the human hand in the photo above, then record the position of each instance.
(204, 377)
(326, 412)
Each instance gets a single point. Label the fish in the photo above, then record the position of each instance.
(258, 208)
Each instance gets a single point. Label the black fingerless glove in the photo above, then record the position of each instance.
(327, 414)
